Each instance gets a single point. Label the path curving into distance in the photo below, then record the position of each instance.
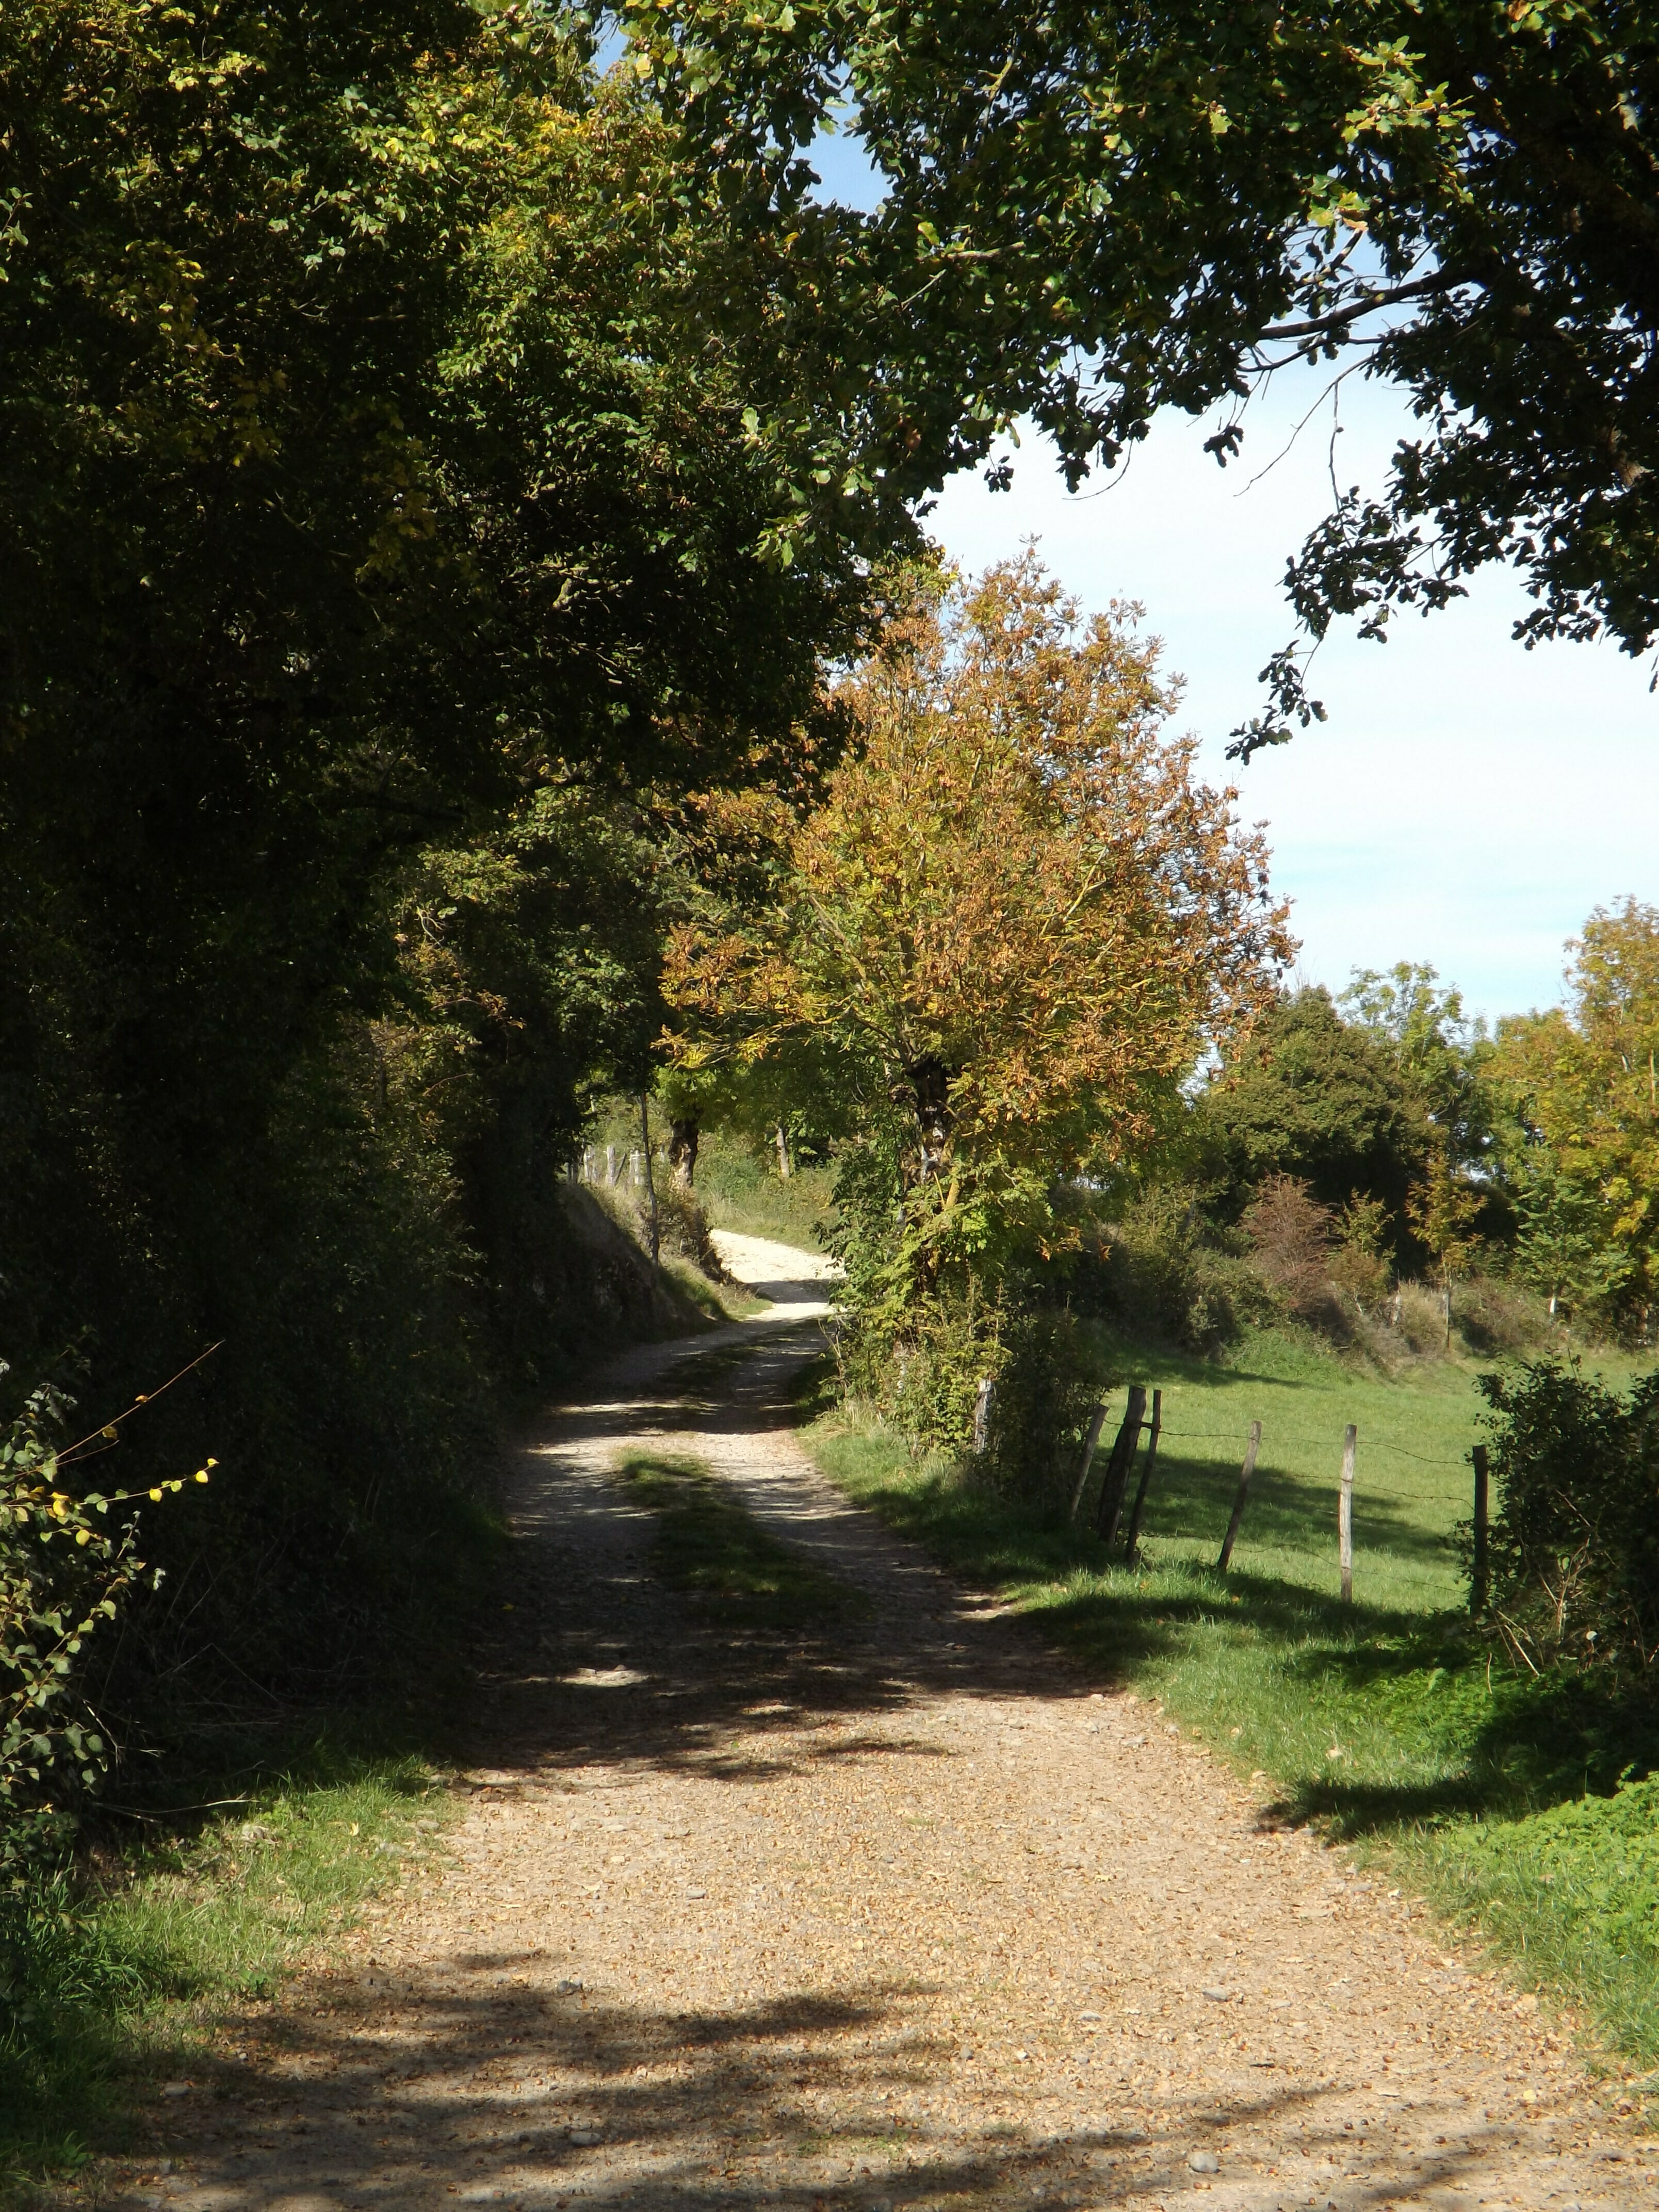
(902, 1913)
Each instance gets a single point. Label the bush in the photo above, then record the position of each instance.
(1574, 1544)
(65, 1568)
(1293, 1245)
(924, 1378)
(920, 1368)
(1496, 1313)
(1418, 1316)
(682, 1230)
(1161, 1271)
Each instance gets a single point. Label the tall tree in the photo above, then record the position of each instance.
(1584, 1083)
(1012, 928)
(1092, 213)
(1310, 1096)
(409, 491)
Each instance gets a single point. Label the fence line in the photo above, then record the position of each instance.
(1235, 1436)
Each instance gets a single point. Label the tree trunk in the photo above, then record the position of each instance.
(650, 1180)
(683, 1137)
(930, 1087)
(786, 1165)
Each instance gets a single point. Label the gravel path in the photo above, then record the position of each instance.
(904, 1915)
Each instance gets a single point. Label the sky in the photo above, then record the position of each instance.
(1467, 804)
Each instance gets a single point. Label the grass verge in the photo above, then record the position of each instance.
(739, 1191)
(709, 1547)
(112, 1977)
(1387, 1723)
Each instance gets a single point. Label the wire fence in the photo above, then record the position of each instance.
(1250, 1451)
(1235, 1436)
(1371, 1494)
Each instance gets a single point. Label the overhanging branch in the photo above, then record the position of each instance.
(1445, 280)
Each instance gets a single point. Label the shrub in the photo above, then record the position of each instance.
(1419, 1314)
(65, 1568)
(924, 1378)
(1357, 1264)
(1162, 1272)
(1044, 1394)
(682, 1229)
(1496, 1313)
(1292, 1241)
(1574, 1544)
(919, 1367)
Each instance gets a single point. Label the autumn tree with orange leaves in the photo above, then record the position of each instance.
(1007, 934)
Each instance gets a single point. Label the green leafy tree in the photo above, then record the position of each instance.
(1311, 1097)
(1092, 213)
(1582, 1084)
(1440, 1051)
(409, 491)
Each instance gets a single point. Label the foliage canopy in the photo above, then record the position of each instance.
(1091, 213)
(1015, 920)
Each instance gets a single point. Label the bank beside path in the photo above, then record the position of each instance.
(903, 1911)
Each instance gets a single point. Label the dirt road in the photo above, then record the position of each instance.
(908, 1915)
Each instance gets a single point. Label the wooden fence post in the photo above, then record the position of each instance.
(1244, 1474)
(1344, 1514)
(1090, 1444)
(1478, 1565)
(650, 1180)
(1117, 1468)
(1132, 1541)
(982, 1416)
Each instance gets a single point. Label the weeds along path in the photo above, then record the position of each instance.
(897, 1911)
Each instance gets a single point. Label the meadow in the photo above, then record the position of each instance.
(1392, 1723)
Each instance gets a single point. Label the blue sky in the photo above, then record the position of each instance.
(1468, 803)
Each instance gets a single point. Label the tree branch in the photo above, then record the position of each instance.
(1445, 280)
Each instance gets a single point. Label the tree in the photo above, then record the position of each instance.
(1439, 1050)
(409, 492)
(1443, 1057)
(1583, 1083)
(1010, 929)
(1309, 1095)
(1094, 213)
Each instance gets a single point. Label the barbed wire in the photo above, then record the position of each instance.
(1303, 1436)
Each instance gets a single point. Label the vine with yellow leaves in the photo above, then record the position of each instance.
(67, 1557)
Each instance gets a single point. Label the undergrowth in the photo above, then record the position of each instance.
(113, 1972)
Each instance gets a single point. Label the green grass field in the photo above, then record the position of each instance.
(1388, 1723)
